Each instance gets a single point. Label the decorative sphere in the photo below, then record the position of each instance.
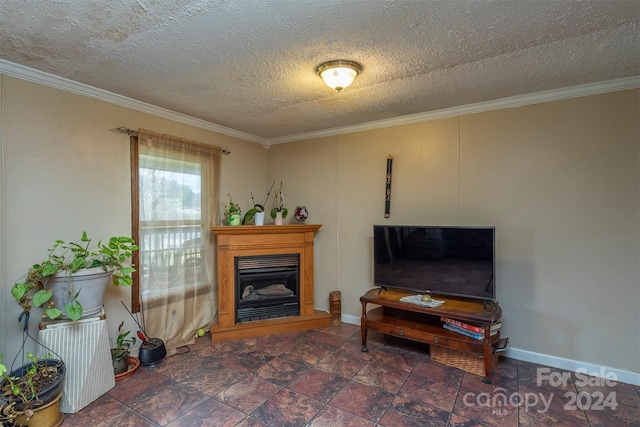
(301, 214)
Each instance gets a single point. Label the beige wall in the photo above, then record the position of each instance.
(65, 172)
(560, 181)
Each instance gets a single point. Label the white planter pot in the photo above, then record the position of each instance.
(278, 218)
(259, 218)
(91, 282)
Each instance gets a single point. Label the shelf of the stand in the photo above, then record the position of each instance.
(422, 328)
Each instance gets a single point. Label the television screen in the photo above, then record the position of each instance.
(454, 261)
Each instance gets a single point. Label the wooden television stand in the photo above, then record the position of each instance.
(423, 324)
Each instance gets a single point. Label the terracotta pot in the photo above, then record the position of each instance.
(133, 364)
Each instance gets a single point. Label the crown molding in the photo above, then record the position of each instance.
(480, 107)
(19, 71)
(40, 77)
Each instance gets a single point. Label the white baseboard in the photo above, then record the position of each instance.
(352, 320)
(623, 376)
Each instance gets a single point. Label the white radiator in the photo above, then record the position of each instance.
(84, 347)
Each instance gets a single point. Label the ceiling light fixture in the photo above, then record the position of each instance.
(338, 74)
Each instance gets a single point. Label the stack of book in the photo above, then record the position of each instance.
(472, 331)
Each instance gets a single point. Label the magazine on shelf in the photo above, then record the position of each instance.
(417, 299)
(474, 335)
(473, 328)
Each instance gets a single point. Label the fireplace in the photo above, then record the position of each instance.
(267, 286)
(291, 309)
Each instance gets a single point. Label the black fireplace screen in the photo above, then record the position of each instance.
(267, 287)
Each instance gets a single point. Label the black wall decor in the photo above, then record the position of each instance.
(387, 197)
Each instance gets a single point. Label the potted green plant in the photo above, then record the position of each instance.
(30, 395)
(257, 211)
(74, 276)
(120, 353)
(279, 212)
(232, 212)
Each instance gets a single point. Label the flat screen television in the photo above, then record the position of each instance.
(454, 261)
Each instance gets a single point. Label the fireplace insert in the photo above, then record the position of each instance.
(267, 287)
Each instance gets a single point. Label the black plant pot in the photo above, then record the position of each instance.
(50, 393)
(152, 352)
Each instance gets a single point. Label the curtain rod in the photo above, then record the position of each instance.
(131, 132)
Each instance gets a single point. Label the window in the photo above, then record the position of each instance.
(173, 220)
(174, 199)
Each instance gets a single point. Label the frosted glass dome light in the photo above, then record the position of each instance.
(338, 74)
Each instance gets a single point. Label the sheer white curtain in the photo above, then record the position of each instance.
(177, 196)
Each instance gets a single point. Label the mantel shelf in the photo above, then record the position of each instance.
(265, 229)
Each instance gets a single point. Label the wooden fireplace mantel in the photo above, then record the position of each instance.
(248, 240)
(266, 229)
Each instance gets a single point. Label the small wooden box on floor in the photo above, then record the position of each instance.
(467, 361)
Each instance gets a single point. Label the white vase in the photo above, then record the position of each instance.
(278, 218)
(259, 218)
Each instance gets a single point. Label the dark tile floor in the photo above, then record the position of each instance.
(321, 378)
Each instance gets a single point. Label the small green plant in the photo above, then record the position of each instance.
(256, 207)
(278, 203)
(120, 353)
(69, 258)
(231, 208)
(123, 343)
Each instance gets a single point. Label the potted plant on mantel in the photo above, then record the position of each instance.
(279, 212)
(232, 212)
(257, 210)
(73, 276)
(30, 395)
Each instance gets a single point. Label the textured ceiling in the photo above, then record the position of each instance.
(248, 65)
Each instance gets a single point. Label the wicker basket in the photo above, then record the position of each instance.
(469, 362)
